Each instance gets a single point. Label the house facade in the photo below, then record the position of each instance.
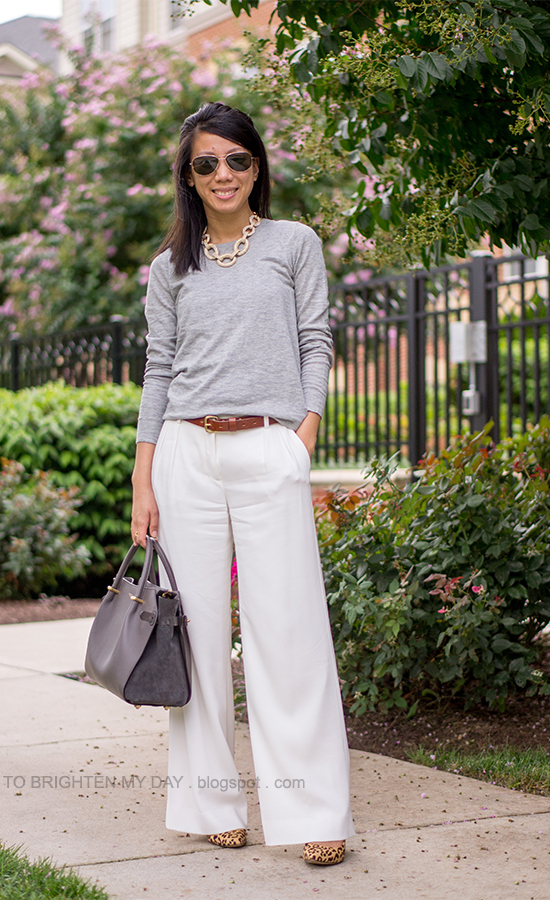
(115, 25)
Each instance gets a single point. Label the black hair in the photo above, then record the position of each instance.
(185, 234)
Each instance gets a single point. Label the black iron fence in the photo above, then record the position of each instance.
(393, 387)
(114, 352)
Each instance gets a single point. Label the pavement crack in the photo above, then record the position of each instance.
(123, 859)
(494, 818)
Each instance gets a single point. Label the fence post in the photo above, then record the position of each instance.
(116, 348)
(14, 338)
(479, 311)
(416, 366)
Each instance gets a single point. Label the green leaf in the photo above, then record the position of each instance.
(478, 209)
(437, 66)
(489, 53)
(499, 644)
(420, 80)
(407, 66)
(531, 222)
(364, 222)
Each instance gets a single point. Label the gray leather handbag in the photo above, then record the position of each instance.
(138, 646)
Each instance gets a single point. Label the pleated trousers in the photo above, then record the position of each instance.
(251, 488)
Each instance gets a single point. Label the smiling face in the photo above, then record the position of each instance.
(224, 193)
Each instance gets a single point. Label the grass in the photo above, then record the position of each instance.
(521, 770)
(23, 880)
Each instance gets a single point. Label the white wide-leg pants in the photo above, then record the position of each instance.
(252, 487)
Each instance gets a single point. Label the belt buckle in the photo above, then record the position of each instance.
(207, 420)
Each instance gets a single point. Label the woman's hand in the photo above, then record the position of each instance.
(307, 431)
(145, 514)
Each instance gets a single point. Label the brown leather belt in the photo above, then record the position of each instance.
(234, 423)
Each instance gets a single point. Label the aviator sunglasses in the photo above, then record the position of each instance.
(240, 161)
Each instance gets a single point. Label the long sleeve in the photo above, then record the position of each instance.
(314, 335)
(160, 312)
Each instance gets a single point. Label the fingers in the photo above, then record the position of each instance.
(145, 515)
(139, 533)
(154, 523)
(143, 522)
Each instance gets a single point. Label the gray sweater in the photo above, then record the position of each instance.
(252, 339)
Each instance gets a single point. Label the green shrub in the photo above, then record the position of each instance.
(35, 545)
(443, 588)
(86, 437)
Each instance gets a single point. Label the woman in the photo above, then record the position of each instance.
(239, 351)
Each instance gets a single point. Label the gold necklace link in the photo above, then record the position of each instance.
(239, 248)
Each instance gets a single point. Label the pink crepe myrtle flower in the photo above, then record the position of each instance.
(340, 245)
(30, 80)
(158, 82)
(85, 144)
(477, 588)
(146, 128)
(7, 308)
(203, 78)
(350, 278)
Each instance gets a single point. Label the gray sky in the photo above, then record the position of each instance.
(10, 10)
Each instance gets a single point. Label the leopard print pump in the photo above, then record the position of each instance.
(320, 855)
(235, 838)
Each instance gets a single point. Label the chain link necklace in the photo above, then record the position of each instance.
(239, 248)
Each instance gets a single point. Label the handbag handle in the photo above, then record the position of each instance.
(164, 560)
(152, 546)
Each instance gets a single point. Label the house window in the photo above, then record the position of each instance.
(98, 24)
(107, 35)
(88, 36)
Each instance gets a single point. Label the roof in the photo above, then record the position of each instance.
(26, 34)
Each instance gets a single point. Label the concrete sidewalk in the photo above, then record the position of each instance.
(82, 775)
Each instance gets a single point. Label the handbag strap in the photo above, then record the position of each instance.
(164, 560)
(152, 546)
(124, 566)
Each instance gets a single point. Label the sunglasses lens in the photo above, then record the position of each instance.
(239, 162)
(205, 165)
